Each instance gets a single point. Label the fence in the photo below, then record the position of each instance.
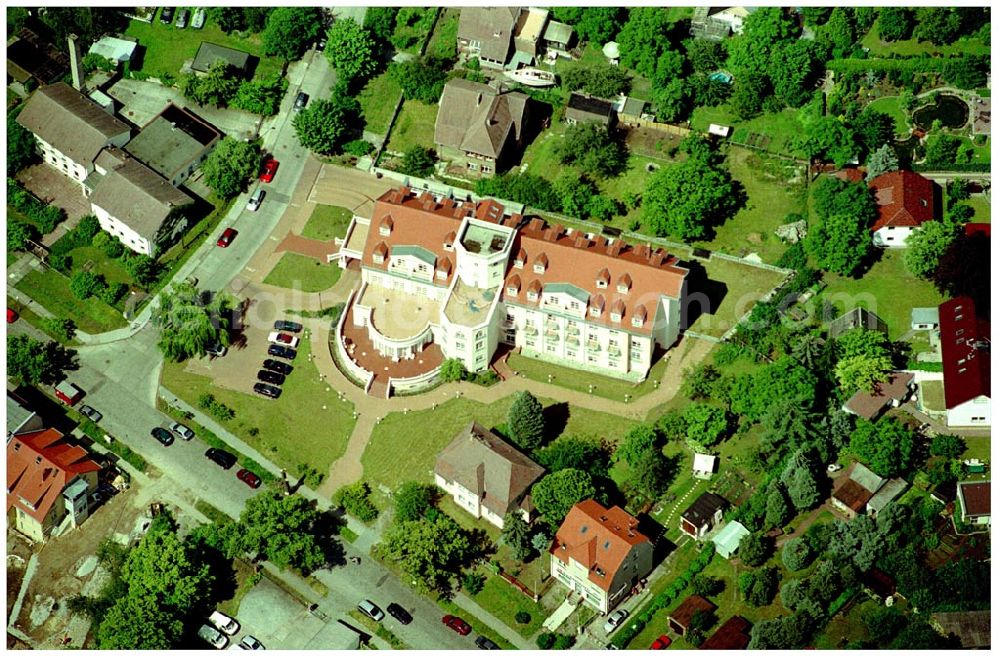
(638, 122)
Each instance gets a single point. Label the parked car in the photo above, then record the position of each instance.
(370, 609)
(251, 643)
(227, 237)
(68, 393)
(162, 435)
(198, 20)
(615, 619)
(270, 377)
(270, 167)
(212, 636)
(281, 351)
(662, 643)
(182, 19)
(277, 367)
(12, 315)
(224, 623)
(248, 477)
(484, 643)
(457, 624)
(268, 390)
(215, 349)
(283, 339)
(287, 326)
(167, 15)
(399, 613)
(301, 100)
(91, 413)
(224, 459)
(183, 431)
(256, 199)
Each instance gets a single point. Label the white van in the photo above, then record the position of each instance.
(224, 623)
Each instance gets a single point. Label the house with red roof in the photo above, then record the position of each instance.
(48, 480)
(974, 502)
(905, 200)
(965, 356)
(599, 554)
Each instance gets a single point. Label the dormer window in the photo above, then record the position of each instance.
(385, 226)
(639, 316)
(532, 296)
(624, 283)
(603, 277)
(616, 317)
(597, 306)
(441, 274)
(541, 263)
(449, 242)
(520, 258)
(514, 285)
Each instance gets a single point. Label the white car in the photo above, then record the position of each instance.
(256, 199)
(251, 643)
(198, 20)
(212, 636)
(615, 619)
(183, 431)
(224, 623)
(283, 339)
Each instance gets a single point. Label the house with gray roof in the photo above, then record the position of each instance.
(209, 53)
(479, 126)
(488, 33)
(19, 418)
(135, 204)
(586, 109)
(174, 143)
(70, 129)
(862, 491)
(486, 476)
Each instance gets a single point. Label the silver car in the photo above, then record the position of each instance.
(183, 431)
(615, 619)
(212, 636)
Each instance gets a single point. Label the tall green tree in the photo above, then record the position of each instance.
(284, 529)
(557, 492)
(584, 452)
(18, 235)
(886, 446)
(351, 51)
(421, 79)
(134, 623)
(784, 379)
(639, 439)
(163, 568)
(326, 125)
(840, 243)
(840, 29)
(290, 31)
(895, 23)
(29, 361)
(431, 552)
(188, 321)
(418, 161)
(829, 139)
(643, 39)
(862, 372)
(799, 477)
(230, 165)
(381, 22)
(707, 425)
(650, 475)
(758, 587)
(526, 421)
(21, 150)
(882, 160)
(593, 149)
(516, 535)
(594, 24)
(413, 500)
(217, 87)
(778, 511)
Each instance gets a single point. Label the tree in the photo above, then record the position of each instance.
(885, 446)
(88, 23)
(559, 491)
(229, 19)
(778, 510)
(526, 421)
(707, 586)
(672, 100)
(799, 477)
(748, 95)
(840, 244)
(830, 140)
(413, 500)
(643, 39)
(142, 268)
(163, 568)
(290, 31)
(785, 633)
(418, 161)
(966, 72)
(381, 22)
(705, 55)
(840, 30)
(84, 284)
(638, 440)
(784, 379)
(793, 67)
(862, 373)
(686, 199)
(430, 551)
(594, 24)
(529, 189)
(883, 159)
(758, 587)
(584, 452)
(755, 549)
(30, 361)
(230, 165)
(216, 87)
(942, 149)
(650, 475)
(796, 554)
(949, 446)
(593, 149)
(134, 623)
(281, 528)
(603, 207)
(63, 329)
(700, 382)
(20, 146)
(516, 535)
(707, 425)
(452, 370)
(421, 79)
(261, 96)
(351, 51)
(884, 623)
(858, 541)
(189, 320)
(873, 129)
(356, 500)
(895, 23)
(325, 125)
(939, 25)
(785, 425)
(602, 80)
(575, 192)
(18, 235)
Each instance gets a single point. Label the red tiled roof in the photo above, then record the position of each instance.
(905, 199)
(852, 174)
(964, 351)
(853, 495)
(693, 604)
(868, 405)
(734, 634)
(975, 498)
(598, 538)
(972, 228)
(39, 466)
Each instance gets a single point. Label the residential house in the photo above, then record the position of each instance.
(924, 318)
(557, 39)
(584, 108)
(854, 319)
(704, 465)
(733, 634)
(892, 392)
(71, 130)
(905, 200)
(727, 541)
(174, 143)
(680, 618)
(974, 502)
(878, 583)
(862, 491)
(716, 23)
(971, 627)
(886, 495)
(209, 53)
(460, 278)
(703, 515)
(49, 480)
(600, 555)
(965, 356)
(135, 204)
(507, 37)
(630, 110)
(479, 126)
(32, 61)
(114, 49)
(486, 476)
(20, 419)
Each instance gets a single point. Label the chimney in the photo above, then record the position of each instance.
(76, 62)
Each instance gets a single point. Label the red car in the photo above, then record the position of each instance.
(661, 643)
(270, 167)
(11, 315)
(457, 624)
(227, 237)
(248, 477)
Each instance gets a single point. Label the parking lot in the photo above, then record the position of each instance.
(237, 370)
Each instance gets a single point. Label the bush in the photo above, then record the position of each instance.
(545, 640)
(44, 216)
(113, 293)
(356, 500)
(563, 642)
(522, 617)
(84, 285)
(359, 148)
(473, 583)
(796, 554)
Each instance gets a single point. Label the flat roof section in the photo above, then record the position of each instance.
(469, 305)
(484, 241)
(399, 315)
(172, 140)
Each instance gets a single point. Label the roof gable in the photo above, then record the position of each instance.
(475, 117)
(598, 538)
(904, 199)
(39, 466)
(965, 351)
(703, 509)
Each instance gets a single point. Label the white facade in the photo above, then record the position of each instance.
(471, 503)
(78, 171)
(892, 236)
(975, 412)
(576, 577)
(123, 232)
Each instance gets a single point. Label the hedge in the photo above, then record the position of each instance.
(910, 64)
(963, 167)
(669, 594)
(46, 217)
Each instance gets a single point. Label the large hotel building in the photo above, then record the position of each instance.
(455, 279)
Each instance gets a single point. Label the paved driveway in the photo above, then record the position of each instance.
(281, 622)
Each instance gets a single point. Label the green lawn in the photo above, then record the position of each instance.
(914, 48)
(571, 378)
(770, 198)
(306, 425)
(378, 100)
(982, 208)
(704, 115)
(100, 264)
(303, 273)
(890, 105)
(327, 222)
(414, 127)
(445, 36)
(404, 446)
(51, 290)
(778, 129)
(980, 154)
(412, 26)
(744, 286)
(167, 48)
(888, 289)
(504, 601)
